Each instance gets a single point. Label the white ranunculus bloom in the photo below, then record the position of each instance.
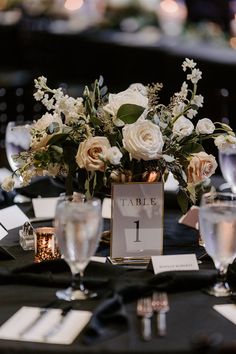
(143, 140)
(8, 184)
(183, 127)
(131, 96)
(92, 153)
(113, 155)
(205, 126)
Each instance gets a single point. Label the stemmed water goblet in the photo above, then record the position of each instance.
(78, 226)
(17, 139)
(217, 219)
(227, 161)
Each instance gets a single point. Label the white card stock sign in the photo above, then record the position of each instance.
(12, 217)
(3, 232)
(227, 310)
(68, 330)
(174, 263)
(44, 207)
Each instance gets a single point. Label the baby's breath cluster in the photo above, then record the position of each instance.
(103, 137)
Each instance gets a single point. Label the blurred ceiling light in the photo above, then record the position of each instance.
(73, 5)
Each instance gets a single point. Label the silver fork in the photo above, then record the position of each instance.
(145, 311)
(160, 305)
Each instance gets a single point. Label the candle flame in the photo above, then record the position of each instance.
(170, 6)
(73, 5)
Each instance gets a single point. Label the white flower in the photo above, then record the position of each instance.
(191, 113)
(8, 184)
(188, 63)
(195, 76)
(92, 153)
(38, 95)
(113, 155)
(40, 137)
(225, 141)
(128, 96)
(183, 127)
(198, 100)
(48, 102)
(143, 140)
(137, 87)
(201, 167)
(41, 82)
(178, 108)
(205, 126)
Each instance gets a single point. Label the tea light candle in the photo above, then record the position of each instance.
(171, 15)
(45, 245)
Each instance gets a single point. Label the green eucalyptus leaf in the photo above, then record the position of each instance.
(182, 200)
(57, 139)
(192, 148)
(54, 127)
(129, 113)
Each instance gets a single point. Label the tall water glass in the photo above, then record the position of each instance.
(217, 219)
(227, 161)
(78, 226)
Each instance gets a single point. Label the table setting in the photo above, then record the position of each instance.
(136, 276)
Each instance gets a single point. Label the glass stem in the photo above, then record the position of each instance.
(81, 282)
(222, 275)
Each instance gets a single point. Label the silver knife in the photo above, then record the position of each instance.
(43, 312)
(57, 327)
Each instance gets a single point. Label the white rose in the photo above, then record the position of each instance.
(143, 140)
(131, 96)
(137, 87)
(205, 126)
(8, 184)
(113, 155)
(201, 166)
(183, 127)
(91, 152)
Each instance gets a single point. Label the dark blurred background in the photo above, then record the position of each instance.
(72, 42)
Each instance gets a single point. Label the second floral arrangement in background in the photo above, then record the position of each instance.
(130, 136)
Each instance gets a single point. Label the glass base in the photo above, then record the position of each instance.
(220, 289)
(71, 294)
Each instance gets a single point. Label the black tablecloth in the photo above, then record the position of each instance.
(193, 325)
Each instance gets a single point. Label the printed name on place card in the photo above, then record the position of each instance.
(174, 263)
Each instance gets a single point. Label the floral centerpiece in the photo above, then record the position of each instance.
(130, 136)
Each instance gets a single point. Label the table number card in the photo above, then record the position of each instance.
(137, 220)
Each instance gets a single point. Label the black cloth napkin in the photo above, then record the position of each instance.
(116, 285)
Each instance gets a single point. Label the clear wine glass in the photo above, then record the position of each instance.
(227, 161)
(78, 226)
(217, 220)
(17, 139)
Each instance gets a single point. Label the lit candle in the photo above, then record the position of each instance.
(45, 247)
(73, 5)
(171, 15)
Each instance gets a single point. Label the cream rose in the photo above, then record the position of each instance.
(91, 153)
(143, 140)
(201, 166)
(132, 95)
(205, 126)
(183, 127)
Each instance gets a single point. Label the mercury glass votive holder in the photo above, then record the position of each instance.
(46, 247)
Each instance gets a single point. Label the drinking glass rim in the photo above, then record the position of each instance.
(211, 196)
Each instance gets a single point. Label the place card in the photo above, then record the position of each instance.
(12, 217)
(44, 207)
(174, 263)
(67, 328)
(99, 259)
(3, 232)
(191, 218)
(227, 310)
